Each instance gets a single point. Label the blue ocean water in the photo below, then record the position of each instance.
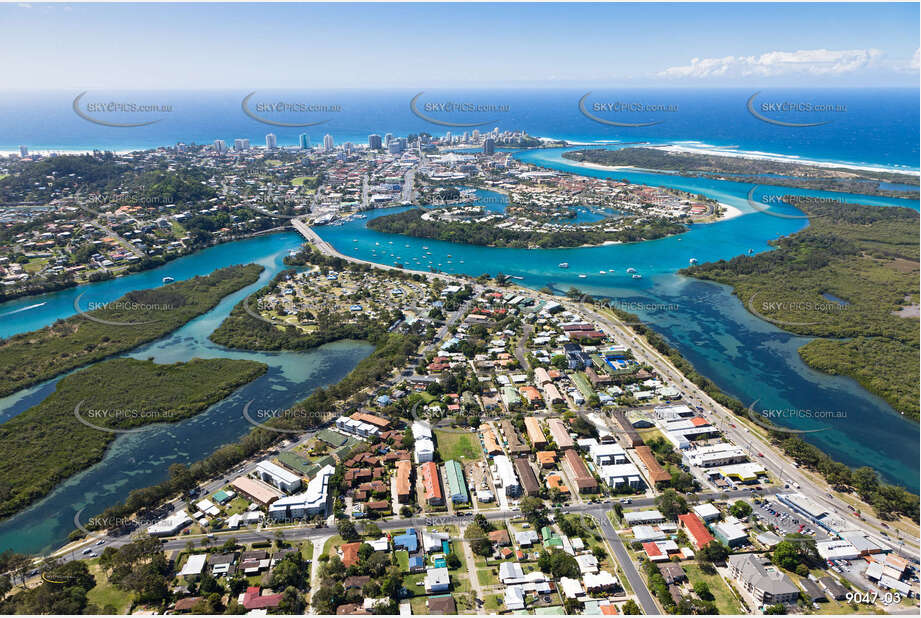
(879, 127)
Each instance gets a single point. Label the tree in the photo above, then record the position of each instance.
(479, 541)
(740, 509)
(794, 550)
(671, 504)
(559, 361)
(453, 561)
(347, 530)
(292, 602)
(775, 610)
(702, 590)
(714, 551)
(630, 608)
(535, 511)
(405, 512)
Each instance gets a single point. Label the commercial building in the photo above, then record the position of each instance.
(585, 482)
(277, 476)
(730, 534)
(171, 525)
(535, 433)
(722, 454)
(432, 483)
(651, 516)
(707, 512)
(457, 488)
(559, 434)
(527, 476)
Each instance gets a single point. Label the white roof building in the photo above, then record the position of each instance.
(607, 454)
(194, 565)
(650, 516)
(311, 502)
(621, 474)
(571, 588)
(277, 476)
(170, 525)
(707, 511)
(424, 450)
(837, 549)
(599, 580)
(510, 571)
(587, 563)
(507, 478)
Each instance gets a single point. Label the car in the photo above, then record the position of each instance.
(101, 542)
(625, 500)
(87, 551)
(732, 425)
(760, 454)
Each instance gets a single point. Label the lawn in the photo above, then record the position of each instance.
(332, 544)
(418, 606)
(725, 600)
(403, 560)
(104, 593)
(458, 446)
(299, 181)
(487, 577)
(493, 602)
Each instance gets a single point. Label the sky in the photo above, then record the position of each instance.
(215, 46)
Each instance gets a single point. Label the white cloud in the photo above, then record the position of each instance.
(809, 61)
(916, 60)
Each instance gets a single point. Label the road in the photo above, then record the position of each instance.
(773, 460)
(643, 596)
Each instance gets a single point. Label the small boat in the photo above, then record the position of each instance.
(563, 264)
(582, 276)
(424, 247)
(602, 272)
(692, 261)
(750, 251)
(637, 276)
(631, 270)
(168, 279)
(354, 240)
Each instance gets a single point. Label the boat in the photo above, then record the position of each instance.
(692, 261)
(168, 279)
(424, 247)
(563, 264)
(582, 276)
(750, 251)
(637, 276)
(354, 240)
(602, 272)
(631, 270)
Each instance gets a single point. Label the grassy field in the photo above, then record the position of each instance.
(458, 446)
(403, 560)
(105, 594)
(725, 600)
(487, 577)
(299, 181)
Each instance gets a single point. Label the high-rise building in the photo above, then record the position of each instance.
(387, 139)
(395, 146)
(328, 142)
(489, 146)
(374, 141)
(23, 151)
(270, 141)
(304, 141)
(240, 144)
(476, 135)
(220, 146)
(448, 137)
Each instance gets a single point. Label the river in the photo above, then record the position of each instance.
(747, 357)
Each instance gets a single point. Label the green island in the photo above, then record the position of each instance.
(241, 330)
(411, 223)
(748, 170)
(54, 440)
(851, 279)
(144, 315)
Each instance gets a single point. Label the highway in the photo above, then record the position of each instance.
(736, 431)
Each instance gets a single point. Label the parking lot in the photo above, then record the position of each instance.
(786, 521)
